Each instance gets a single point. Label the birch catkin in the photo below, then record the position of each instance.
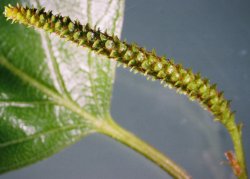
(131, 55)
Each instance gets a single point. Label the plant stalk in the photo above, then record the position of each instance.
(236, 136)
(112, 129)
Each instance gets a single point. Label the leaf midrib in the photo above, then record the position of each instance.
(24, 103)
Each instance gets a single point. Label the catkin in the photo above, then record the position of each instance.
(131, 55)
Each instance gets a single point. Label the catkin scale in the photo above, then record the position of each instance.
(133, 56)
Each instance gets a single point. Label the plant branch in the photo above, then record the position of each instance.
(112, 129)
(239, 165)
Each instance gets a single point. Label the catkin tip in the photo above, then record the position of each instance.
(9, 12)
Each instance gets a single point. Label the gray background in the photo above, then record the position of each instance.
(210, 36)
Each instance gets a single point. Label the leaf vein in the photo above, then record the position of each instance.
(39, 134)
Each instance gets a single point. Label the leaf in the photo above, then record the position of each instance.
(50, 90)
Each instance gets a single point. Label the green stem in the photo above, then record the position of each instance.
(235, 134)
(123, 136)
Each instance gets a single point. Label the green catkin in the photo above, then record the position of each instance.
(134, 57)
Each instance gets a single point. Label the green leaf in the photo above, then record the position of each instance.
(51, 92)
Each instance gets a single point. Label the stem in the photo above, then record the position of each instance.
(112, 129)
(235, 134)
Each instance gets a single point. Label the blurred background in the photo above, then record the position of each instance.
(211, 37)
